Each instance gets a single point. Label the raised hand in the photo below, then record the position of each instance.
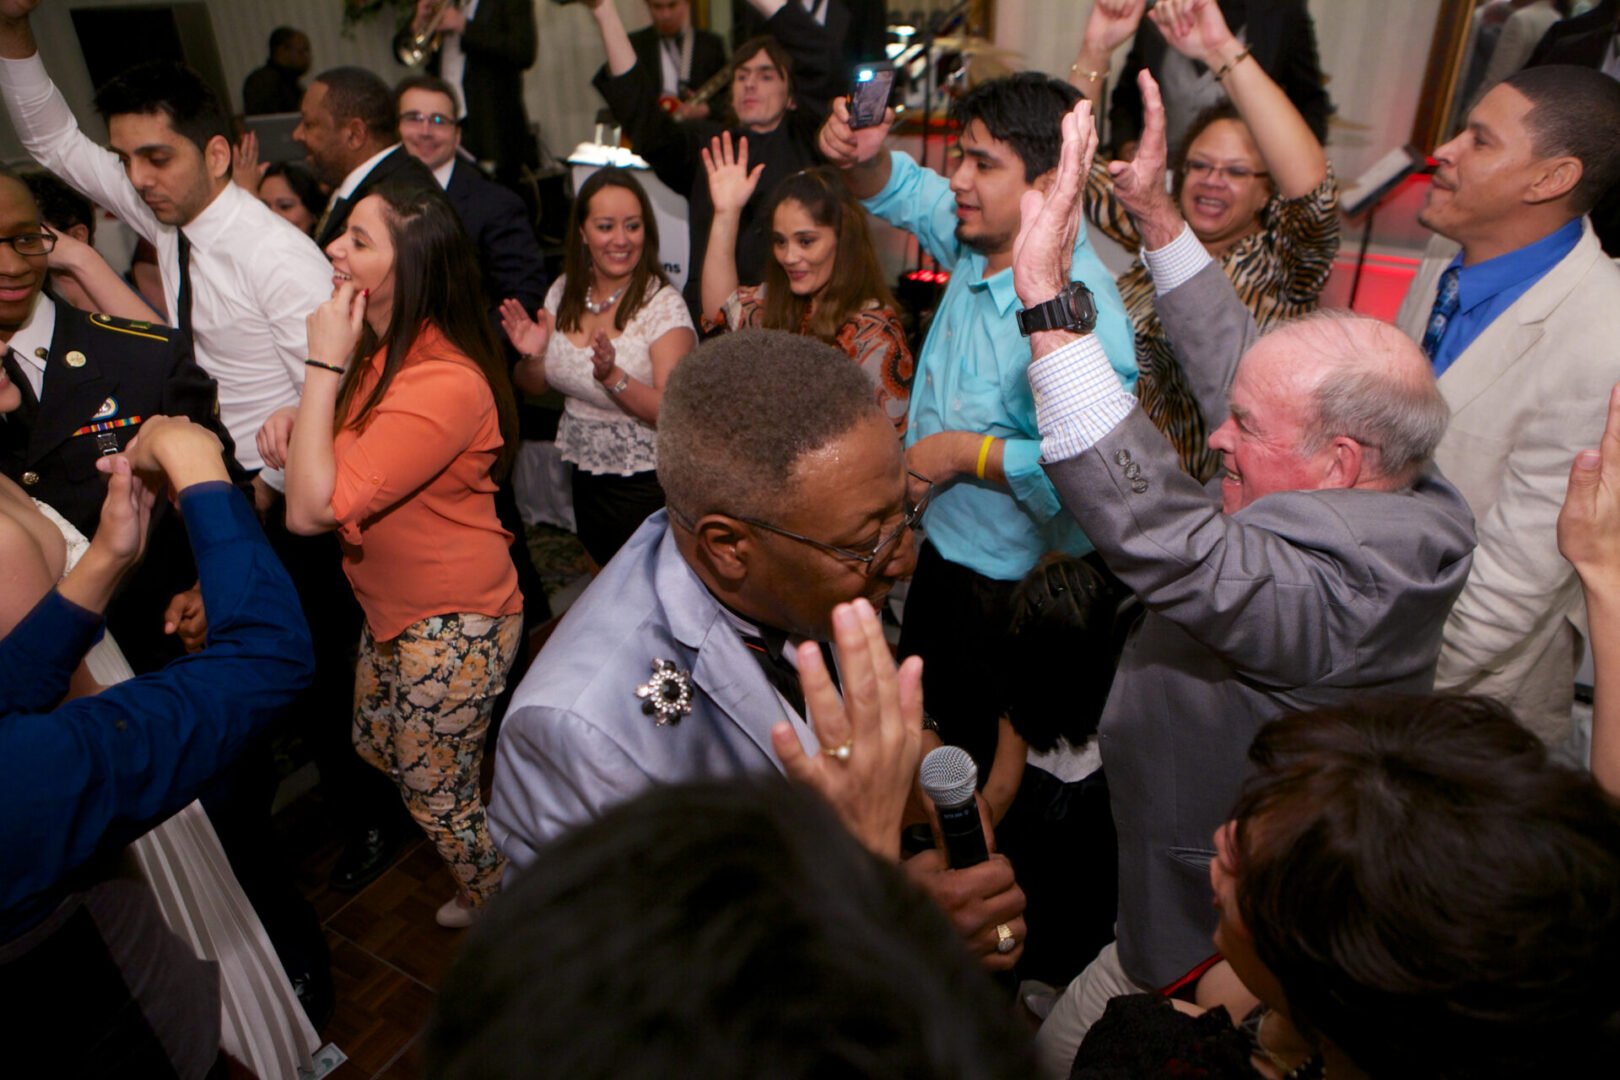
(334, 328)
(528, 336)
(1589, 523)
(1194, 28)
(245, 168)
(878, 719)
(846, 147)
(1044, 248)
(731, 183)
(1112, 22)
(1139, 182)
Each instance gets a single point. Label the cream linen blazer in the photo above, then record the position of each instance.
(1528, 394)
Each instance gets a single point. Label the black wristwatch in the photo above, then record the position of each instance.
(1071, 309)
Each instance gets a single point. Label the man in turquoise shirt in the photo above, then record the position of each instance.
(972, 424)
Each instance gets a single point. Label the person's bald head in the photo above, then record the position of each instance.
(1332, 400)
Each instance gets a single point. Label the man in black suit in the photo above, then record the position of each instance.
(856, 31)
(495, 218)
(87, 383)
(351, 137)
(1590, 40)
(684, 56)
(275, 87)
(508, 255)
(484, 52)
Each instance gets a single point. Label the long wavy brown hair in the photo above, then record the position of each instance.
(857, 275)
(578, 270)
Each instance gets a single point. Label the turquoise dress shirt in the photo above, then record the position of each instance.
(972, 376)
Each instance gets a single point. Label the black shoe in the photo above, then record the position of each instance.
(364, 859)
(315, 994)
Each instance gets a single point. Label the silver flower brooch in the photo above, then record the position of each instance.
(667, 696)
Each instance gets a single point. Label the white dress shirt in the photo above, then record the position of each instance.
(453, 61)
(358, 174)
(254, 277)
(33, 336)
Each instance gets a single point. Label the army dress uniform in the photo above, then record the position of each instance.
(98, 378)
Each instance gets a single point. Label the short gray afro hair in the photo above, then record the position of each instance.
(741, 410)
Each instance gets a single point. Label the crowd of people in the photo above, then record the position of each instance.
(1255, 626)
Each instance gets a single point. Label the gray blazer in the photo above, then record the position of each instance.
(575, 740)
(1301, 599)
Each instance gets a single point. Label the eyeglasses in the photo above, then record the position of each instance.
(36, 243)
(437, 119)
(1200, 169)
(871, 561)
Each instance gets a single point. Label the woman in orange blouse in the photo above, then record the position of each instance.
(406, 419)
(823, 279)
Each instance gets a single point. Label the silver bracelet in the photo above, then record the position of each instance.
(617, 388)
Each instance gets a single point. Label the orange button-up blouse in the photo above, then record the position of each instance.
(414, 502)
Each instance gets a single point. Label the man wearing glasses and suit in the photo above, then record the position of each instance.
(787, 495)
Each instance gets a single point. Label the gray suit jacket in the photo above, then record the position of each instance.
(575, 740)
(1301, 599)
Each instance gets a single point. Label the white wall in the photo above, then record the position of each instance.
(1373, 52)
(557, 89)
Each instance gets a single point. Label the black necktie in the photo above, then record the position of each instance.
(14, 372)
(768, 650)
(182, 315)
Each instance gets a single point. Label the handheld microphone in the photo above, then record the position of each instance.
(950, 778)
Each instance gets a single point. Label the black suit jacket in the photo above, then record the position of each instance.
(856, 31)
(128, 370)
(498, 225)
(1584, 41)
(501, 43)
(398, 166)
(708, 55)
(1280, 35)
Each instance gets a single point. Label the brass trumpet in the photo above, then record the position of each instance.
(415, 50)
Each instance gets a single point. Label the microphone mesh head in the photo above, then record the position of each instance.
(949, 776)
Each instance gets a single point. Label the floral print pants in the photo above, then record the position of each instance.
(422, 705)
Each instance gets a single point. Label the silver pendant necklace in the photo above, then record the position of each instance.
(597, 309)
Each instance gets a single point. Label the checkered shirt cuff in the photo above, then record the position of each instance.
(1177, 263)
(1078, 399)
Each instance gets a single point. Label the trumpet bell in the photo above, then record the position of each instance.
(414, 50)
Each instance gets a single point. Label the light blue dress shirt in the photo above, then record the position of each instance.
(972, 376)
(1487, 289)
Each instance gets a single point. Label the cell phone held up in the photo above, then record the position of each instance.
(871, 95)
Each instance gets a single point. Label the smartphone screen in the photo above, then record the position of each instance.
(871, 95)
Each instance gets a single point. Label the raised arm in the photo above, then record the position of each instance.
(860, 154)
(1111, 24)
(621, 55)
(103, 286)
(731, 185)
(334, 331)
(1293, 156)
(1589, 537)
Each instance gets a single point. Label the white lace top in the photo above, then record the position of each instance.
(595, 434)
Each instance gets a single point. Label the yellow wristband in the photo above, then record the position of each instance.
(984, 455)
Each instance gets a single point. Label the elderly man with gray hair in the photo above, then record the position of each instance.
(1318, 567)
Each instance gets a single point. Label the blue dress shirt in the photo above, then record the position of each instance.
(1487, 289)
(99, 771)
(971, 376)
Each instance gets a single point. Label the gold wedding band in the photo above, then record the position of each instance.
(842, 751)
(1005, 942)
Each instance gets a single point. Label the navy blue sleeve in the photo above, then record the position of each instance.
(40, 655)
(100, 770)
